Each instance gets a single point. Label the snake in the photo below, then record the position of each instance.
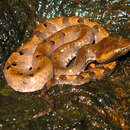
(54, 43)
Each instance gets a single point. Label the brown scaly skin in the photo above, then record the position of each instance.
(105, 51)
(25, 71)
(92, 74)
(57, 41)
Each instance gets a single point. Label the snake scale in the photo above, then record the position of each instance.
(54, 43)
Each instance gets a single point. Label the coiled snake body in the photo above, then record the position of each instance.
(54, 43)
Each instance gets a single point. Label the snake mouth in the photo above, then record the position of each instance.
(71, 62)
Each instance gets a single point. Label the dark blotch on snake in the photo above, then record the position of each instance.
(93, 42)
(91, 74)
(21, 53)
(30, 68)
(45, 24)
(37, 56)
(44, 41)
(63, 33)
(52, 42)
(38, 68)
(14, 64)
(20, 73)
(80, 21)
(31, 75)
(80, 77)
(62, 77)
(8, 67)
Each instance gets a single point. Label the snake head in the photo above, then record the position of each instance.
(111, 48)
